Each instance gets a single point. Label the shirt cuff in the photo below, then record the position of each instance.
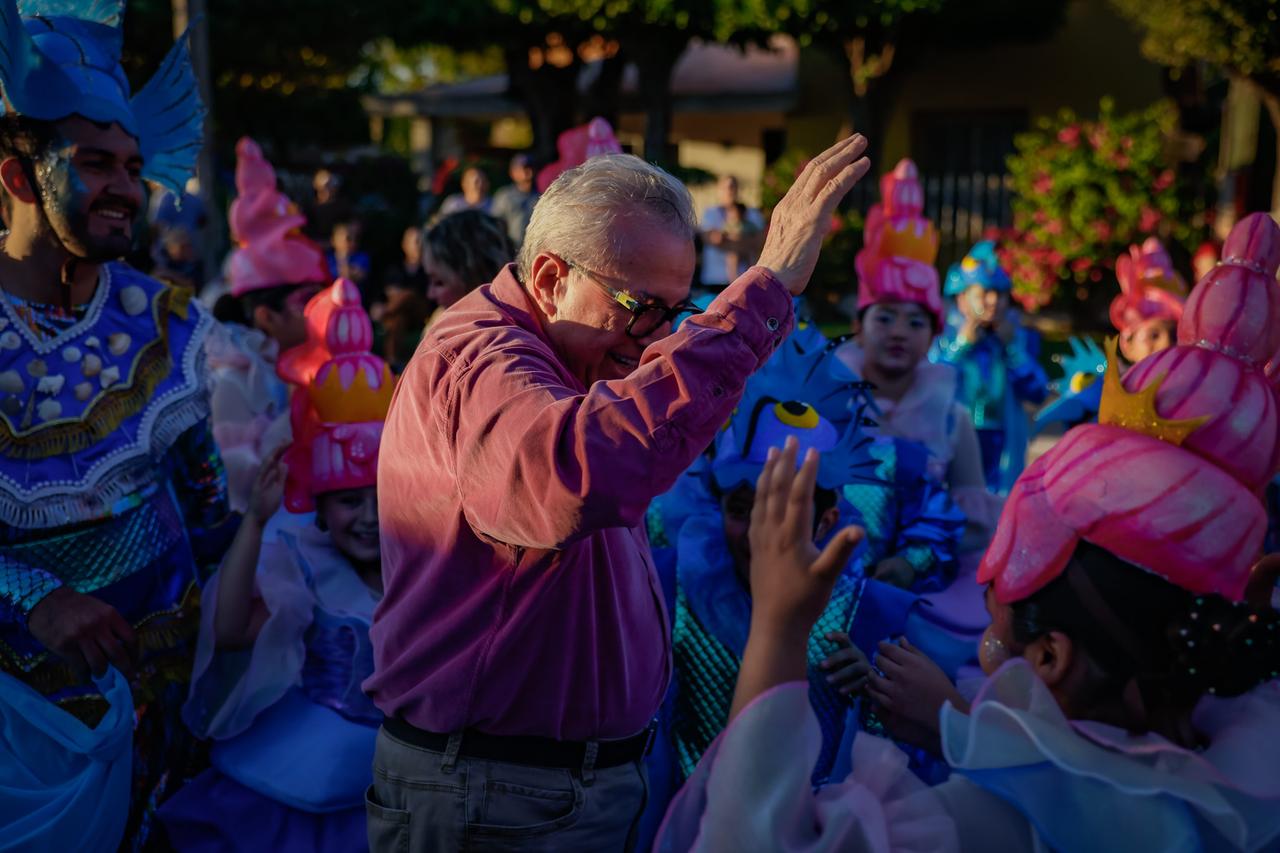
(759, 309)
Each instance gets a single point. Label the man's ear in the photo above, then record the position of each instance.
(16, 180)
(548, 281)
(1051, 655)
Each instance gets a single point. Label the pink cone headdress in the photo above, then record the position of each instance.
(1168, 478)
(270, 247)
(900, 246)
(576, 146)
(1150, 289)
(340, 402)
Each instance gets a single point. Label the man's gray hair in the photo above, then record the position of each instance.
(575, 216)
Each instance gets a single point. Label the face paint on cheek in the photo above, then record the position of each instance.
(992, 652)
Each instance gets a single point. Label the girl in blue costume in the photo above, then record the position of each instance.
(283, 649)
(997, 361)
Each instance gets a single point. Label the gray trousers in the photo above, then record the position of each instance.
(422, 800)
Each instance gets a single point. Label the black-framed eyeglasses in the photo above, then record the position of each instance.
(646, 317)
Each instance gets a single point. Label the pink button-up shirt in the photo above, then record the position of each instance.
(521, 597)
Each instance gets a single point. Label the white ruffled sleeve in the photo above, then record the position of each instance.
(751, 791)
(229, 688)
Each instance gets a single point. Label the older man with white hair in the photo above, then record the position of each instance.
(522, 644)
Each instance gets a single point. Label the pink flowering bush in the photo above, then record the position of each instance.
(1084, 190)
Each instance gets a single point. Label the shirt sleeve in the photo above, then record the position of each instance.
(540, 464)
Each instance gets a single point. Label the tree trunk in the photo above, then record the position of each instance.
(549, 95)
(655, 59)
(603, 96)
(1271, 100)
(868, 62)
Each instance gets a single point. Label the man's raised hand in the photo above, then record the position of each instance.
(801, 220)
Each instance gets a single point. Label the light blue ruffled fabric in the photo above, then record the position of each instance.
(63, 785)
(1087, 786)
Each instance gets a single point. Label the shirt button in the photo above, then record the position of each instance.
(717, 391)
(772, 323)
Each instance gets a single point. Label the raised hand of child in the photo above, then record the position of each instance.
(791, 580)
(847, 668)
(912, 688)
(268, 487)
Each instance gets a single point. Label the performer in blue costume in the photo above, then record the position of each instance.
(284, 633)
(112, 494)
(996, 358)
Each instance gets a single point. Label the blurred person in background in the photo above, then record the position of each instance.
(328, 208)
(513, 204)
(346, 259)
(474, 195)
(731, 232)
(461, 252)
(402, 315)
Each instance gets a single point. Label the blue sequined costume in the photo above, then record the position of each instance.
(110, 484)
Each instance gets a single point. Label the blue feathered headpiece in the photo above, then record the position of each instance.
(1080, 389)
(60, 58)
(981, 267)
(806, 392)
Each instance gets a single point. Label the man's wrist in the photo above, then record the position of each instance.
(25, 589)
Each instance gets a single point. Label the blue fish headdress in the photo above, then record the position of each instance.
(62, 57)
(982, 267)
(1080, 389)
(806, 392)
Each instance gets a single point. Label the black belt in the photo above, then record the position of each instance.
(533, 751)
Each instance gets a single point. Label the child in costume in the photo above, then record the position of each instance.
(1145, 313)
(900, 313)
(705, 575)
(1133, 653)
(996, 360)
(274, 270)
(113, 505)
(284, 635)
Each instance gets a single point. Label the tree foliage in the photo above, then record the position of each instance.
(1240, 36)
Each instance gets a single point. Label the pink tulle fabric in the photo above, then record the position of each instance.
(1188, 513)
(1150, 289)
(900, 244)
(337, 431)
(270, 247)
(751, 791)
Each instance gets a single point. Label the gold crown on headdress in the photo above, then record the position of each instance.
(1137, 411)
(362, 401)
(913, 238)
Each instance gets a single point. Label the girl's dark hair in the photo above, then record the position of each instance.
(1136, 626)
(473, 244)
